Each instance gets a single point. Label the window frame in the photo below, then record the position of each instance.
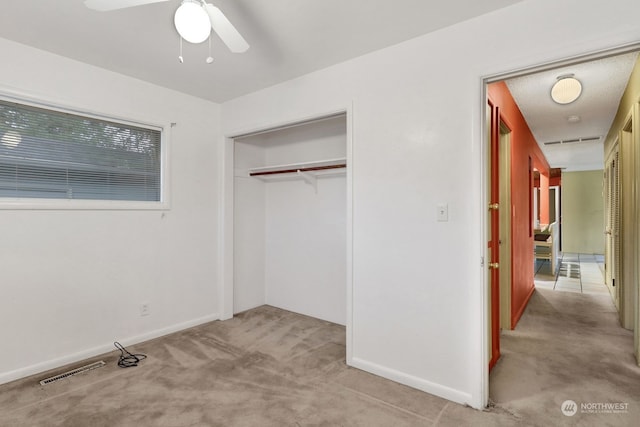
(18, 203)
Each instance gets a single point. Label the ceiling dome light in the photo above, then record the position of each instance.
(192, 22)
(566, 90)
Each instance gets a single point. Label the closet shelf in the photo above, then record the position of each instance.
(303, 168)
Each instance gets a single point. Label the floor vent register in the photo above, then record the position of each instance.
(76, 371)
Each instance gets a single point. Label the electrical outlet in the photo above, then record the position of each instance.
(144, 309)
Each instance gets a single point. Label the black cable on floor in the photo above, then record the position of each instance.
(127, 359)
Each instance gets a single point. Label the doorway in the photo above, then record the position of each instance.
(290, 219)
(504, 239)
(499, 229)
(493, 231)
(627, 286)
(612, 223)
(337, 123)
(493, 258)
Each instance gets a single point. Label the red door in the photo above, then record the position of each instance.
(494, 235)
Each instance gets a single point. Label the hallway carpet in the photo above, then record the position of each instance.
(568, 347)
(270, 367)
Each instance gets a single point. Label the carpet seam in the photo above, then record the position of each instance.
(385, 403)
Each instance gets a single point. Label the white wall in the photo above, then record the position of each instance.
(249, 230)
(72, 280)
(288, 232)
(417, 299)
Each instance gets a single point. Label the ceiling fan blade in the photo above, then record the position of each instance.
(225, 30)
(107, 5)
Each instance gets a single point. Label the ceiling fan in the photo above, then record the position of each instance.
(194, 20)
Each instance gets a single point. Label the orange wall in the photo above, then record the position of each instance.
(523, 148)
(544, 199)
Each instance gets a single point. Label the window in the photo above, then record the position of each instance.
(49, 154)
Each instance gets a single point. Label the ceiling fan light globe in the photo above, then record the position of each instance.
(192, 22)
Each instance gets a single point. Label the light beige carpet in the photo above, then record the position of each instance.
(270, 367)
(568, 346)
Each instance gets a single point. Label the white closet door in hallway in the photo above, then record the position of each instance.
(290, 219)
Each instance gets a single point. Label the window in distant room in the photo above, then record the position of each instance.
(49, 154)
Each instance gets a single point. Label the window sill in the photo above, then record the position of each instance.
(87, 205)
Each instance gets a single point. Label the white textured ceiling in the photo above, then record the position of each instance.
(603, 83)
(288, 38)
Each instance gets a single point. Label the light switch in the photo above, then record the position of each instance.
(442, 212)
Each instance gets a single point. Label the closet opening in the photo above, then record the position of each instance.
(290, 219)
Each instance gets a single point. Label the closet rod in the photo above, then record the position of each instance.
(307, 169)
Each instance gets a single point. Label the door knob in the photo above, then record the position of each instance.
(494, 206)
(494, 265)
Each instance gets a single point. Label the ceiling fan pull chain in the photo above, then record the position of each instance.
(209, 59)
(180, 58)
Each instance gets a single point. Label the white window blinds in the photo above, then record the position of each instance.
(56, 155)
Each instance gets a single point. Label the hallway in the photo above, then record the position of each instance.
(568, 346)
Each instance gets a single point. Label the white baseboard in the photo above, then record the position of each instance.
(17, 374)
(415, 382)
